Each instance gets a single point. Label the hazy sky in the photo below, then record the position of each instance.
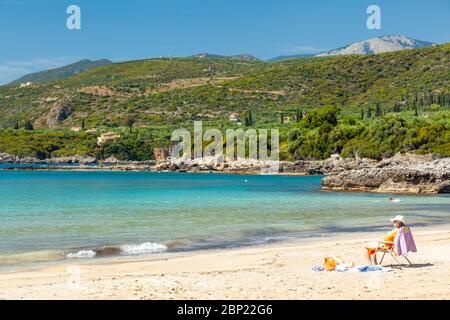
(35, 37)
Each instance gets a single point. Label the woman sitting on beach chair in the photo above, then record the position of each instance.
(387, 243)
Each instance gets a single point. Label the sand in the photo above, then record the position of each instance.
(281, 271)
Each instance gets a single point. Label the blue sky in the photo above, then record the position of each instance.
(34, 34)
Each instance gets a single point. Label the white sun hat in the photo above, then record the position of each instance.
(399, 218)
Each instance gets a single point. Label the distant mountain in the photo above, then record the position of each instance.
(280, 58)
(379, 45)
(245, 57)
(62, 72)
(372, 46)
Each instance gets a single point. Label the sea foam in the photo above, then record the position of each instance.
(82, 254)
(148, 247)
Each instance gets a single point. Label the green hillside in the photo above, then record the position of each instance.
(158, 95)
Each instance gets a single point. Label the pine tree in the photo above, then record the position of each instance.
(250, 118)
(82, 124)
(282, 118)
(362, 114)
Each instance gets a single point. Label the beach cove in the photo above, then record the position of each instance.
(185, 235)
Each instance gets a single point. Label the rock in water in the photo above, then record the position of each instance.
(410, 177)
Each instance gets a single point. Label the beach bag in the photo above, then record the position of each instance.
(330, 264)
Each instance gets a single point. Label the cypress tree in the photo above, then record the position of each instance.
(28, 125)
(246, 121)
(378, 111)
(129, 122)
(299, 115)
(250, 118)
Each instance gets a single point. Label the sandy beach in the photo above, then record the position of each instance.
(281, 271)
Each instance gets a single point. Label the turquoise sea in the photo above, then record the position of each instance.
(53, 215)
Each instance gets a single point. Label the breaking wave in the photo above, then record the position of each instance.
(82, 254)
(148, 247)
(137, 249)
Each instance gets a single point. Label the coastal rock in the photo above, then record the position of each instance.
(334, 164)
(7, 158)
(218, 164)
(72, 159)
(400, 175)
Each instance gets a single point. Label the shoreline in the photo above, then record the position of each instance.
(271, 271)
(149, 170)
(109, 253)
(401, 174)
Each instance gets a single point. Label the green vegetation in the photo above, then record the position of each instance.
(43, 144)
(370, 106)
(321, 134)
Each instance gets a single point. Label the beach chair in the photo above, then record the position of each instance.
(403, 244)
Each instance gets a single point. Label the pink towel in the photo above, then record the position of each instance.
(404, 242)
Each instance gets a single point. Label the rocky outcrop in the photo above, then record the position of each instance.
(7, 158)
(333, 164)
(395, 175)
(58, 113)
(207, 165)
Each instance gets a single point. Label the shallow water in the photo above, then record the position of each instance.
(49, 215)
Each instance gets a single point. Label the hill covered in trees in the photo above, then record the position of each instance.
(373, 105)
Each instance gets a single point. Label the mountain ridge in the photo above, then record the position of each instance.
(61, 72)
(376, 45)
(245, 57)
(388, 43)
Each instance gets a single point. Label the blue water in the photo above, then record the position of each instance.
(49, 214)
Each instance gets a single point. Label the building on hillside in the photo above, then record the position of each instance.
(109, 136)
(26, 84)
(162, 154)
(235, 117)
